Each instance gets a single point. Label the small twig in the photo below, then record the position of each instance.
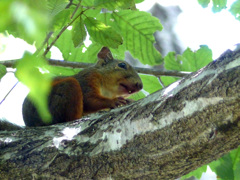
(60, 33)
(50, 33)
(69, 4)
(9, 92)
(44, 42)
(53, 42)
(74, 12)
(160, 81)
(155, 72)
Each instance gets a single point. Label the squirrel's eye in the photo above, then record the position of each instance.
(122, 65)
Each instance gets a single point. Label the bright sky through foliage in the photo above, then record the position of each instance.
(200, 26)
(196, 26)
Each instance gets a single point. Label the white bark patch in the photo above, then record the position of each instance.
(120, 134)
(6, 140)
(112, 136)
(68, 134)
(233, 64)
(170, 88)
(199, 104)
(190, 108)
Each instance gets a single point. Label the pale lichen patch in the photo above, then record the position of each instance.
(68, 134)
(114, 140)
(233, 64)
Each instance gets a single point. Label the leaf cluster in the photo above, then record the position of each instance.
(66, 25)
(227, 167)
(219, 5)
(79, 28)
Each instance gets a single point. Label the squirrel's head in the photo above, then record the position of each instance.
(124, 79)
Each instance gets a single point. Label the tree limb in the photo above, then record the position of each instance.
(155, 72)
(163, 136)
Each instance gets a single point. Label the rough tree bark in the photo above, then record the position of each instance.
(163, 136)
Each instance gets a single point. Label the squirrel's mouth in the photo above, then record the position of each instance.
(126, 89)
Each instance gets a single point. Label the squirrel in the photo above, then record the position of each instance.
(103, 85)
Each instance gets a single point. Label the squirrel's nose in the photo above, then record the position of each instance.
(139, 86)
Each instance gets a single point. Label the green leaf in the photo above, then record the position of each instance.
(196, 173)
(171, 62)
(28, 72)
(137, 29)
(223, 167)
(90, 54)
(78, 33)
(4, 12)
(81, 54)
(65, 45)
(60, 19)
(92, 12)
(119, 53)
(235, 156)
(193, 61)
(56, 6)
(42, 51)
(103, 34)
(218, 5)
(25, 19)
(204, 3)
(62, 71)
(89, 3)
(151, 83)
(137, 96)
(3, 71)
(138, 1)
(113, 4)
(228, 166)
(235, 9)
(189, 60)
(167, 80)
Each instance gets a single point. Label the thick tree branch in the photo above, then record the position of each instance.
(163, 136)
(155, 72)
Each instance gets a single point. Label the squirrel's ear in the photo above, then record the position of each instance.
(105, 54)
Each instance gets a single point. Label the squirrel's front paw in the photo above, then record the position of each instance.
(120, 101)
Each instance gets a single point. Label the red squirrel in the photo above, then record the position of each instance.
(103, 85)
